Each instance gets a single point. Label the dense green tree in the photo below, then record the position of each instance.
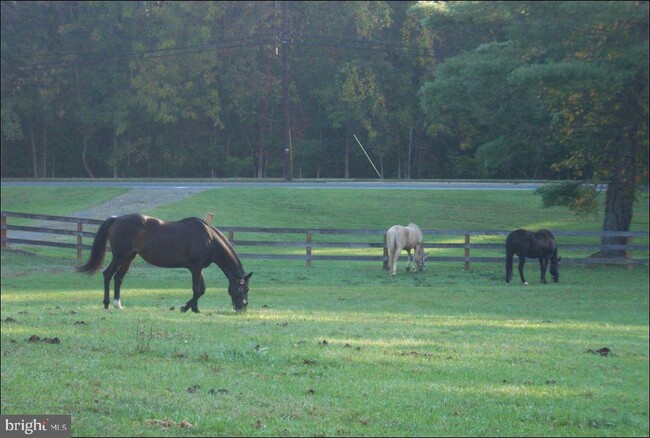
(144, 88)
(32, 99)
(472, 103)
(339, 79)
(595, 78)
(562, 83)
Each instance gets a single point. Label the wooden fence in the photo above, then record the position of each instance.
(310, 244)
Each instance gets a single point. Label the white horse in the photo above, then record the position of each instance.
(408, 238)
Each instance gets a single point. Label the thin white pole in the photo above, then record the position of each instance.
(364, 151)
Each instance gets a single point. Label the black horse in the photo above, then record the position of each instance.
(539, 245)
(189, 243)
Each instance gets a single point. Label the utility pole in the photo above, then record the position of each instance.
(284, 41)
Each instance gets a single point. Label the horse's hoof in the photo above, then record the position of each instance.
(525, 283)
(183, 309)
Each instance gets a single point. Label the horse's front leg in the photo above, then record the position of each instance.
(198, 289)
(522, 262)
(543, 265)
(408, 261)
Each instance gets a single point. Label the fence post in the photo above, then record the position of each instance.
(467, 252)
(308, 249)
(385, 251)
(80, 229)
(231, 236)
(4, 231)
(208, 218)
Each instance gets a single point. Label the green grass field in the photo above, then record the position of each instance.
(339, 349)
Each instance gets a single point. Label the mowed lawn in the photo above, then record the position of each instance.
(340, 349)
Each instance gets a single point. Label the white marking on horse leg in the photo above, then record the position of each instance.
(117, 304)
(525, 283)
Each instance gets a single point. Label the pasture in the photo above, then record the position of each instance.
(340, 349)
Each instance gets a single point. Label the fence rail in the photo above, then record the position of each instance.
(309, 244)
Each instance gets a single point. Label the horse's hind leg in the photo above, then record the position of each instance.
(108, 275)
(393, 264)
(198, 289)
(390, 262)
(522, 261)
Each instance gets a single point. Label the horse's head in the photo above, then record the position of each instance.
(420, 261)
(555, 268)
(238, 290)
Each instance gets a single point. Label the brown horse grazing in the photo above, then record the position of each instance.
(189, 243)
(408, 238)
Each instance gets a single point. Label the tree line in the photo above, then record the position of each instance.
(438, 90)
(553, 90)
(204, 89)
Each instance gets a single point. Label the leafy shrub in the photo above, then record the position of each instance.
(581, 198)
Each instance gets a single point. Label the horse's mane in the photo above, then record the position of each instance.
(226, 245)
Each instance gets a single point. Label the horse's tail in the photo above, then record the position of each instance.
(99, 249)
(391, 242)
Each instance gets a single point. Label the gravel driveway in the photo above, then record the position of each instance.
(136, 200)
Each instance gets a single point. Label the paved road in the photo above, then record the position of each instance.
(395, 185)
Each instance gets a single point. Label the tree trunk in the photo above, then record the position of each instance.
(288, 171)
(83, 154)
(347, 154)
(115, 155)
(44, 162)
(619, 201)
(259, 171)
(34, 152)
(621, 189)
(261, 126)
(263, 123)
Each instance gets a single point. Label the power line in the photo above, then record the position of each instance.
(77, 59)
(71, 59)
